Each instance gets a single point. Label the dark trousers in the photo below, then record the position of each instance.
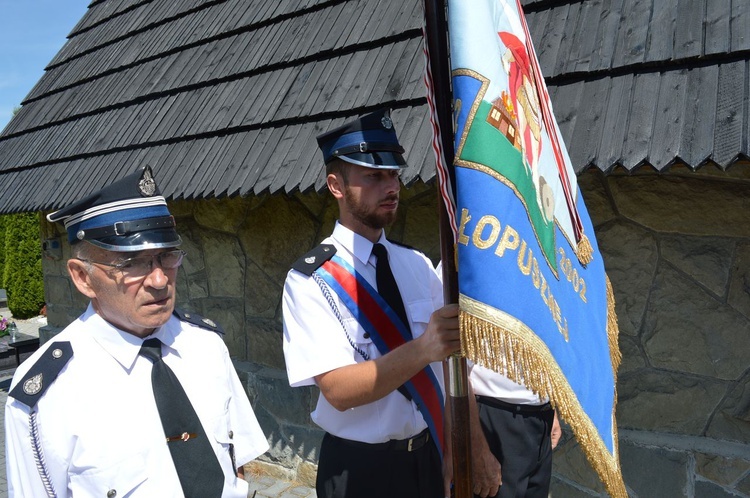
(520, 440)
(349, 469)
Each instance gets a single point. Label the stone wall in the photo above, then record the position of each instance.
(677, 249)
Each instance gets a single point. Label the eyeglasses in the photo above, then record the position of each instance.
(140, 266)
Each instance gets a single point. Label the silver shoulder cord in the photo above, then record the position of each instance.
(332, 303)
(36, 448)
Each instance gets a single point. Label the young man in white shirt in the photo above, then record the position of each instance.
(378, 367)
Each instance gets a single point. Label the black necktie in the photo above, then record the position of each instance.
(387, 286)
(197, 467)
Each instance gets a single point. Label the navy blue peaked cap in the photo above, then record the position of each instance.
(368, 141)
(128, 215)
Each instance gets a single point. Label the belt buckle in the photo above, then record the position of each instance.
(409, 446)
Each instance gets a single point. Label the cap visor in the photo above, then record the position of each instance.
(139, 241)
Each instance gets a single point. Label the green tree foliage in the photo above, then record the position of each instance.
(23, 265)
(21, 262)
(2, 251)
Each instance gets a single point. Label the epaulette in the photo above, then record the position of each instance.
(314, 259)
(196, 319)
(42, 374)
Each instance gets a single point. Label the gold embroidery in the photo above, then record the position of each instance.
(511, 240)
(477, 236)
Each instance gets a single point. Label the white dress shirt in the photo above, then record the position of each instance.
(486, 382)
(315, 341)
(99, 427)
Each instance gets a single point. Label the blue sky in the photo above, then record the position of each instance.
(31, 33)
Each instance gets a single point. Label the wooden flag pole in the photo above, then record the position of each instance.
(457, 385)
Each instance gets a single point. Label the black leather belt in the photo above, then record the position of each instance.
(412, 444)
(511, 407)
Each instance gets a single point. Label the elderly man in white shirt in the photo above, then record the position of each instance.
(132, 398)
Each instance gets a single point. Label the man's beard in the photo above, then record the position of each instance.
(370, 218)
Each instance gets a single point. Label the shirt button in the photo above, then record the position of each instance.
(231, 434)
(111, 493)
(366, 336)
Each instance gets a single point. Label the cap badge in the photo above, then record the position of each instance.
(33, 385)
(147, 185)
(310, 260)
(386, 122)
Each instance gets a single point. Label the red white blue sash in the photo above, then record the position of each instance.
(387, 332)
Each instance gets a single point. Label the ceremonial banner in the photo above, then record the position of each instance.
(535, 300)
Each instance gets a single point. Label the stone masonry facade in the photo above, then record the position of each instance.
(676, 248)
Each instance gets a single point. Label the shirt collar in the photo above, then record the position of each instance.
(356, 244)
(123, 346)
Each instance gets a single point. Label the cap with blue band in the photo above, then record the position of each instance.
(369, 141)
(128, 215)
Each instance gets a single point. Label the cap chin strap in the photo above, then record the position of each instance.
(365, 147)
(126, 228)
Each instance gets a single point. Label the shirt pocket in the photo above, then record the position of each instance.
(220, 432)
(122, 478)
(356, 333)
(359, 339)
(420, 312)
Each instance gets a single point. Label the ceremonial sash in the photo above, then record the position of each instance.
(387, 332)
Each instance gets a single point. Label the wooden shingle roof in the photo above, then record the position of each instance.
(647, 82)
(225, 97)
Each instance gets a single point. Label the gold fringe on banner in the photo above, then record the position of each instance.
(584, 251)
(500, 342)
(613, 337)
(613, 330)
